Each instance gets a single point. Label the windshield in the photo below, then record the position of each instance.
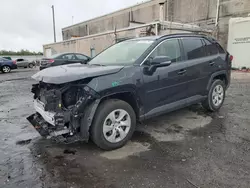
(124, 53)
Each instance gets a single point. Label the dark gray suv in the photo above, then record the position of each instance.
(131, 81)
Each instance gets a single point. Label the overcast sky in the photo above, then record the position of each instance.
(27, 24)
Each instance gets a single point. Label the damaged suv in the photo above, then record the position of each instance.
(129, 82)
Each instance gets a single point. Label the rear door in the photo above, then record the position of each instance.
(20, 62)
(199, 65)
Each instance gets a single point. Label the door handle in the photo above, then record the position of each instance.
(181, 72)
(212, 63)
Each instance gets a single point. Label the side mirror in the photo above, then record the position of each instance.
(159, 61)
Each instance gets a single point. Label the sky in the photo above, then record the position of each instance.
(27, 24)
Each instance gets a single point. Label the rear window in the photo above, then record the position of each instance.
(221, 50)
(193, 48)
(3, 59)
(210, 48)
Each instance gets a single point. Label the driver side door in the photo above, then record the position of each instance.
(167, 86)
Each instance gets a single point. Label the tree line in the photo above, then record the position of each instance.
(19, 53)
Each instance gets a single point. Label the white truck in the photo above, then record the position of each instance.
(239, 42)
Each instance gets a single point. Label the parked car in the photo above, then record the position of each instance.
(7, 65)
(131, 81)
(24, 63)
(9, 58)
(63, 59)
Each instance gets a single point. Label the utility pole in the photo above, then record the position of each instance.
(54, 27)
(72, 20)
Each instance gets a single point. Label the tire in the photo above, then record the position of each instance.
(110, 138)
(6, 69)
(214, 95)
(31, 65)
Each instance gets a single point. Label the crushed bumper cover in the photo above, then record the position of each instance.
(52, 119)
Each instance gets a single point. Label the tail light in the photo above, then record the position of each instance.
(14, 61)
(51, 61)
(231, 57)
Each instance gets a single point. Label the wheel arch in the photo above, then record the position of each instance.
(221, 75)
(128, 96)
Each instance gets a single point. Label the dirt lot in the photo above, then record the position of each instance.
(186, 148)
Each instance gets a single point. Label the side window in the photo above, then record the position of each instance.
(170, 48)
(221, 50)
(19, 60)
(193, 48)
(210, 48)
(81, 57)
(68, 56)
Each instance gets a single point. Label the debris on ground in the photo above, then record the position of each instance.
(23, 142)
(69, 151)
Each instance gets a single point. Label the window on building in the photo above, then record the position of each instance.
(193, 48)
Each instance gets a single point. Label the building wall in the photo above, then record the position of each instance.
(202, 12)
(145, 13)
(100, 42)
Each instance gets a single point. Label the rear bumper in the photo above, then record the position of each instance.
(14, 66)
(44, 66)
(41, 68)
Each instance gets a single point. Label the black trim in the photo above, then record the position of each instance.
(224, 73)
(173, 106)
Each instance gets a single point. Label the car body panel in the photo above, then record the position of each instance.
(69, 73)
(7, 62)
(60, 60)
(23, 62)
(164, 86)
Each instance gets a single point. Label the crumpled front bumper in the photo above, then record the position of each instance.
(44, 128)
(51, 120)
(47, 116)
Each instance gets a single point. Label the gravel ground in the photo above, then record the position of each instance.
(186, 148)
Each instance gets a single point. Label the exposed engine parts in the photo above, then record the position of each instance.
(70, 103)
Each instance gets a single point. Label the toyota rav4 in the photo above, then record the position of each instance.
(129, 82)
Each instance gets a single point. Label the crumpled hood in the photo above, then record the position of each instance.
(69, 73)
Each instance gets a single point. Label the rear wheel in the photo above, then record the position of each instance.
(31, 65)
(216, 96)
(113, 125)
(6, 69)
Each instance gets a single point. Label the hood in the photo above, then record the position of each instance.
(69, 73)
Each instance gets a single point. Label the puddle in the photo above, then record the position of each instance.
(131, 148)
(173, 126)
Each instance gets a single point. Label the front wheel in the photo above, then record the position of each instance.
(113, 125)
(216, 96)
(6, 69)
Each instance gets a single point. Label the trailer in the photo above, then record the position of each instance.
(239, 42)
